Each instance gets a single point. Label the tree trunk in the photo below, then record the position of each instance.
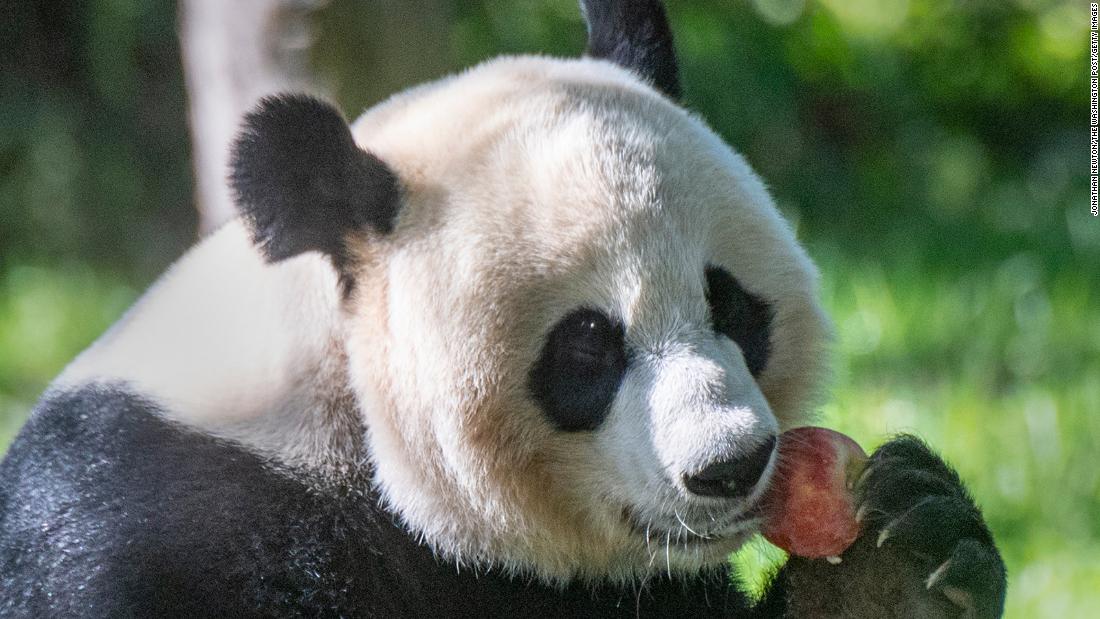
(234, 52)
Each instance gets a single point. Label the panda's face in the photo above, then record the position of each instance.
(576, 348)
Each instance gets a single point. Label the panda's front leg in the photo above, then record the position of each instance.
(925, 550)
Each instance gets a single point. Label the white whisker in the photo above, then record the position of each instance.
(689, 529)
(668, 559)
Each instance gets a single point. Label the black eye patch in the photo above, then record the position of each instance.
(741, 316)
(579, 370)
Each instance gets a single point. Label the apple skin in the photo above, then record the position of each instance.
(810, 507)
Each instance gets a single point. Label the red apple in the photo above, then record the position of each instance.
(810, 508)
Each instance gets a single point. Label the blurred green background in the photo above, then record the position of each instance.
(932, 154)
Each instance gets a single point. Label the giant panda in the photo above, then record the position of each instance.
(518, 342)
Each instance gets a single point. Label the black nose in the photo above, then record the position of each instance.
(734, 477)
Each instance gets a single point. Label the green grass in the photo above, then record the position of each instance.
(998, 366)
(47, 316)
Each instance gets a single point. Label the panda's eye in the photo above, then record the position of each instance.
(579, 370)
(741, 316)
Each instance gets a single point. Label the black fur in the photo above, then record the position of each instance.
(301, 182)
(741, 316)
(634, 34)
(579, 370)
(107, 510)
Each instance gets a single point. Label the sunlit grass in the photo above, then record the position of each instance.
(997, 366)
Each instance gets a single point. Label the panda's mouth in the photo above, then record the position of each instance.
(682, 534)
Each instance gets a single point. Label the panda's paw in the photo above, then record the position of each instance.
(913, 505)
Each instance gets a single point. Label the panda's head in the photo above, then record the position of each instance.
(574, 321)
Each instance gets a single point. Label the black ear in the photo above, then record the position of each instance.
(635, 35)
(302, 184)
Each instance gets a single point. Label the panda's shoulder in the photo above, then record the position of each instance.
(104, 453)
(101, 493)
